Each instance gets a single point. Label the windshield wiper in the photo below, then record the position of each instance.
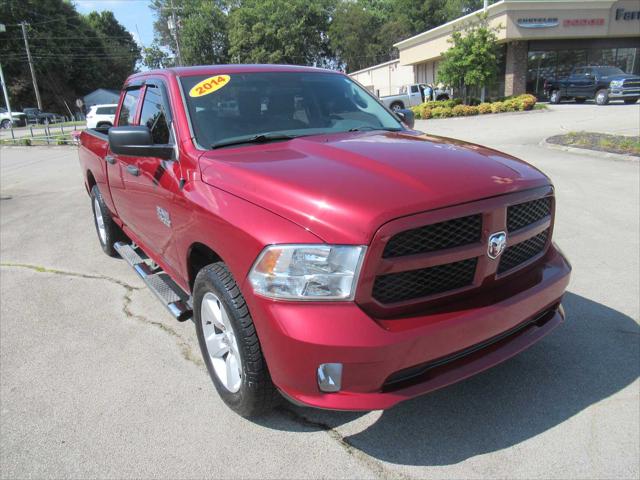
(260, 138)
(369, 127)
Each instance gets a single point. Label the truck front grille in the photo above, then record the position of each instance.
(427, 258)
(398, 287)
(522, 252)
(631, 83)
(439, 236)
(524, 214)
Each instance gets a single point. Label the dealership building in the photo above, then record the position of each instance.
(541, 40)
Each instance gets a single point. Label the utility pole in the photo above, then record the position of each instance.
(173, 27)
(6, 95)
(33, 72)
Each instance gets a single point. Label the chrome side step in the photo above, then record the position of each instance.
(168, 292)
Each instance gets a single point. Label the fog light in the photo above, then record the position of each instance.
(330, 377)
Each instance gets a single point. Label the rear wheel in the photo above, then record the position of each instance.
(108, 231)
(555, 97)
(6, 123)
(602, 97)
(630, 101)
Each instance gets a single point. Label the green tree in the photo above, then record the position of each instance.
(280, 31)
(72, 54)
(472, 60)
(201, 30)
(155, 57)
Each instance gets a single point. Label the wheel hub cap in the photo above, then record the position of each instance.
(221, 342)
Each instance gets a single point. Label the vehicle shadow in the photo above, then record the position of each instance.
(593, 355)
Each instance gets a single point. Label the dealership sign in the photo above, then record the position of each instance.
(583, 22)
(622, 14)
(538, 22)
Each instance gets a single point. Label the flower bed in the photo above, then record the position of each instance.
(454, 108)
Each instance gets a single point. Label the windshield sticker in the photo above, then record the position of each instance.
(209, 85)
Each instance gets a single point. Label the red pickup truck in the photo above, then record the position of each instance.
(325, 250)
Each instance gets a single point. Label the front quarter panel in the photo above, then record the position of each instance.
(235, 229)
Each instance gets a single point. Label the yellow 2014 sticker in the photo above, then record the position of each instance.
(209, 85)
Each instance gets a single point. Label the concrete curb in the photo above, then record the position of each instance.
(591, 153)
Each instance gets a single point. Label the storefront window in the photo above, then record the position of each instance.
(541, 66)
(568, 60)
(602, 56)
(627, 59)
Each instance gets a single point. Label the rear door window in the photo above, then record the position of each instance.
(154, 115)
(128, 109)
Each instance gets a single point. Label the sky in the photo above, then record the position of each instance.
(135, 15)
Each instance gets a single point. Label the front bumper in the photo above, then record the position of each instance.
(440, 348)
(622, 93)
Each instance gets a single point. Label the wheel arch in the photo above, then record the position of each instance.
(90, 182)
(199, 255)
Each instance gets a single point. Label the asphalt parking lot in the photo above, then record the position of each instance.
(97, 380)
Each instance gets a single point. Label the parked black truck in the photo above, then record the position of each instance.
(602, 83)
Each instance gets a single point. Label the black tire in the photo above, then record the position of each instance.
(395, 106)
(555, 97)
(581, 100)
(257, 394)
(602, 97)
(6, 123)
(630, 101)
(442, 97)
(112, 232)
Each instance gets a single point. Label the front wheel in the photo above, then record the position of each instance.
(630, 101)
(397, 106)
(602, 97)
(229, 343)
(555, 97)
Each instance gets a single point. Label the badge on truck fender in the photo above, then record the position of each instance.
(209, 85)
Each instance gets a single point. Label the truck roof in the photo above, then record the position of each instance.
(222, 69)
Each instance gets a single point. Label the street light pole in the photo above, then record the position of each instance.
(33, 72)
(6, 95)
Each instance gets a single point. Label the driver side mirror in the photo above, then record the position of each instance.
(407, 117)
(137, 141)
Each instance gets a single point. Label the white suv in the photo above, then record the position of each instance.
(101, 116)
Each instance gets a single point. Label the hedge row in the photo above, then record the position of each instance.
(454, 108)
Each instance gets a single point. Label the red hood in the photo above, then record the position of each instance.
(343, 187)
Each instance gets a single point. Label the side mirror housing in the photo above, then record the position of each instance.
(137, 141)
(407, 117)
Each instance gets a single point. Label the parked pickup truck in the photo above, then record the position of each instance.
(600, 83)
(326, 251)
(412, 95)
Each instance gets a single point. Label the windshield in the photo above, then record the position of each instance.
(608, 71)
(247, 105)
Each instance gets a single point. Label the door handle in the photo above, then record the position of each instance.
(110, 159)
(135, 171)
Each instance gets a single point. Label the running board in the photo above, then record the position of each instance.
(167, 291)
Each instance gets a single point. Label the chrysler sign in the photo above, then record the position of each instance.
(538, 22)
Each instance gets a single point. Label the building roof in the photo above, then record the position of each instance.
(390, 62)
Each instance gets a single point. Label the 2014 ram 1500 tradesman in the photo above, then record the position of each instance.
(325, 250)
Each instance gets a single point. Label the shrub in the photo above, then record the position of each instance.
(426, 113)
(459, 111)
(484, 108)
(25, 141)
(511, 105)
(472, 110)
(441, 112)
(498, 107)
(61, 140)
(417, 112)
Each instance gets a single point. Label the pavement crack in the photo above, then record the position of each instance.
(374, 465)
(185, 349)
(55, 271)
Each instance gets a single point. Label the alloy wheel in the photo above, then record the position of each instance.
(220, 339)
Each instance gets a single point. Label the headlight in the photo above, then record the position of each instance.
(616, 83)
(307, 272)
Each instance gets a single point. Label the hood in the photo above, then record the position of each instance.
(621, 76)
(343, 187)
